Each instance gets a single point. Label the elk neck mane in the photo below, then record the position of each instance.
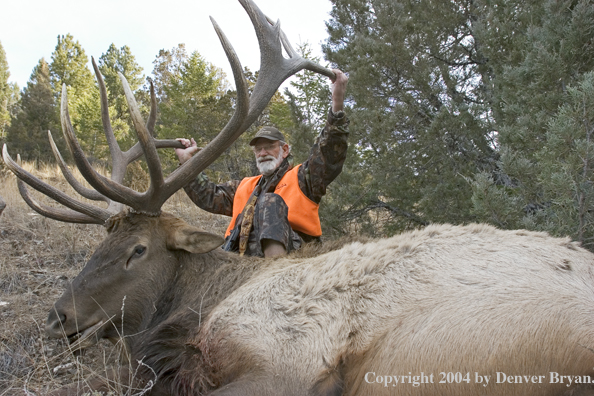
(201, 282)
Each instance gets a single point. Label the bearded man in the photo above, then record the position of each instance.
(277, 211)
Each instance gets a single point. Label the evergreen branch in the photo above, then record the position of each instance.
(353, 214)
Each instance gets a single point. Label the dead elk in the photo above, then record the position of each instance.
(472, 300)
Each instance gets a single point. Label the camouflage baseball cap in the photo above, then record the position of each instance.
(268, 132)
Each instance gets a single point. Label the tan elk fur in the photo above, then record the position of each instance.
(443, 299)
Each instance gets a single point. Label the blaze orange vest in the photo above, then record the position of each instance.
(303, 212)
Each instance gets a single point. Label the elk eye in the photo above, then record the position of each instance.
(138, 252)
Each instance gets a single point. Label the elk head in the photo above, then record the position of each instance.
(138, 257)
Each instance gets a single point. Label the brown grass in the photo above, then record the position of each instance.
(38, 257)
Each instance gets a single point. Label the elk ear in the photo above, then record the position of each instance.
(193, 240)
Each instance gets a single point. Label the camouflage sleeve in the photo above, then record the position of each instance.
(326, 157)
(214, 198)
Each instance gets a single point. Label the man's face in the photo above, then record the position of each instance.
(269, 155)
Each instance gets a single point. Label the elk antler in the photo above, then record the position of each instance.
(80, 213)
(274, 69)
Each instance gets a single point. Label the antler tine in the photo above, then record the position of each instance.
(274, 68)
(118, 164)
(113, 206)
(145, 139)
(111, 189)
(78, 187)
(152, 120)
(234, 128)
(284, 41)
(307, 64)
(66, 215)
(136, 151)
(120, 160)
(95, 215)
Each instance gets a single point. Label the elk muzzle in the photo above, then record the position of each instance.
(80, 336)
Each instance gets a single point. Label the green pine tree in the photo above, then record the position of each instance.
(420, 122)
(115, 61)
(566, 163)
(192, 96)
(537, 51)
(27, 134)
(69, 67)
(8, 95)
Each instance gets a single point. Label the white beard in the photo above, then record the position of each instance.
(268, 164)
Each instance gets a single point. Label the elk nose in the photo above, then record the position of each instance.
(54, 327)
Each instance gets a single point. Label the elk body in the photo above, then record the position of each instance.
(470, 300)
(196, 320)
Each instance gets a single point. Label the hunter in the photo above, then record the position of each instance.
(276, 212)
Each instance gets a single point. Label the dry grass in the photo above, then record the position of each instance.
(38, 257)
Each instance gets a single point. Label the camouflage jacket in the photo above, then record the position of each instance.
(323, 165)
